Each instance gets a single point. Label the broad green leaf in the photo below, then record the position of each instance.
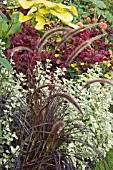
(100, 4)
(23, 18)
(3, 27)
(64, 15)
(33, 9)
(15, 17)
(15, 27)
(6, 64)
(3, 16)
(26, 4)
(7, 43)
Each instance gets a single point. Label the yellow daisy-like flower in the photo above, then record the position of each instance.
(102, 90)
(108, 64)
(73, 65)
(58, 39)
(106, 75)
(82, 63)
(77, 69)
(85, 79)
(104, 62)
(57, 55)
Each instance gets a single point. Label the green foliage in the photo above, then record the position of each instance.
(44, 108)
(7, 136)
(12, 3)
(6, 64)
(40, 122)
(3, 60)
(102, 8)
(108, 163)
(9, 27)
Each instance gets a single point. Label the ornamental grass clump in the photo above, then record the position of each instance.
(39, 107)
(39, 123)
(49, 129)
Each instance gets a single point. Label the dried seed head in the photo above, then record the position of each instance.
(58, 126)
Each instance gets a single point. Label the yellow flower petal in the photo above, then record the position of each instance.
(26, 4)
(58, 39)
(102, 90)
(106, 75)
(73, 65)
(104, 62)
(82, 63)
(57, 55)
(85, 79)
(64, 15)
(33, 9)
(24, 18)
(77, 69)
(109, 64)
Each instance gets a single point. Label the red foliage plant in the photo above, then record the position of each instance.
(23, 60)
(95, 52)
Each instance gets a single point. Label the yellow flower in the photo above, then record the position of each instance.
(73, 65)
(82, 63)
(77, 69)
(57, 55)
(109, 64)
(85, 79)
(58, 39)
(104, 62)
(102, 90)
(106, 75)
